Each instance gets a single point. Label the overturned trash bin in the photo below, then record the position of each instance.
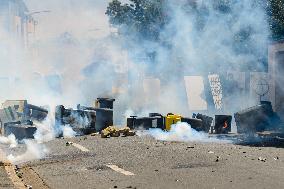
(20, 118)
(81, 121)
(104, 113)
(223, 124)
(21, 131)
(257, 118)
(155, 120)
(200, 122)
(106, 103)
(86, 120)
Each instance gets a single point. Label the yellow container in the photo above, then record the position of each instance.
(172, 119)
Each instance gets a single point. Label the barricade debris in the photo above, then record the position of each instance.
(113, 131)
(18, 117)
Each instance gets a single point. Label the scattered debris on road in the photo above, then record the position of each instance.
(276, 158)
(113, 131)
(69, 143)
(217, 158)
(188, 147)
(262, 159)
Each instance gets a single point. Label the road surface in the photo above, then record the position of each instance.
(143, 162)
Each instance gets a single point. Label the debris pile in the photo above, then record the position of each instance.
(112, 131)
(20, 118)
(255, 121)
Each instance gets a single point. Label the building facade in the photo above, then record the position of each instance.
(276, 71)
(16, 21)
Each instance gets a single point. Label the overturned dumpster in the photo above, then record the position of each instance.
(86, 120)
(18, 117)
(257, 119)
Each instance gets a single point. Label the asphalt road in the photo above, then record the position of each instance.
(142, 162)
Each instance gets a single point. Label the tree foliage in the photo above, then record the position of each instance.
(275, 11)
(144, 18)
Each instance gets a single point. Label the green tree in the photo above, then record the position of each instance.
(143, 18)
(275, 11)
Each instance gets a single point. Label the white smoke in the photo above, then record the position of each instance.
(75, 58)
(198, 41)
(182, 132)
(68, 132)
(33, 151)
(10, 140)
(128, 113)
(83, 59)
(46, 130)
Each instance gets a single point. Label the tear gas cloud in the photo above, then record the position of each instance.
(181, 132)
(46, 131)
(76, 56)
(33, 151)
(215, 44)
(68, 132)
(10, 140)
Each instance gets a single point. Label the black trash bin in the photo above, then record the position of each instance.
(106, 103)
(154, 120)
(223, 124)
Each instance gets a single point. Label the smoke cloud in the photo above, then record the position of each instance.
(68, 132)
(10, 140)
(33, 151)
(197, 42)
(182, 132)
(76, 56)
(46, 131)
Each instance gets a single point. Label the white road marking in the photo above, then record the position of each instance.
(119, 170)
(80, 147)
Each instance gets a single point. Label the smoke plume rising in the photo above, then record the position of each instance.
(77, 57)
